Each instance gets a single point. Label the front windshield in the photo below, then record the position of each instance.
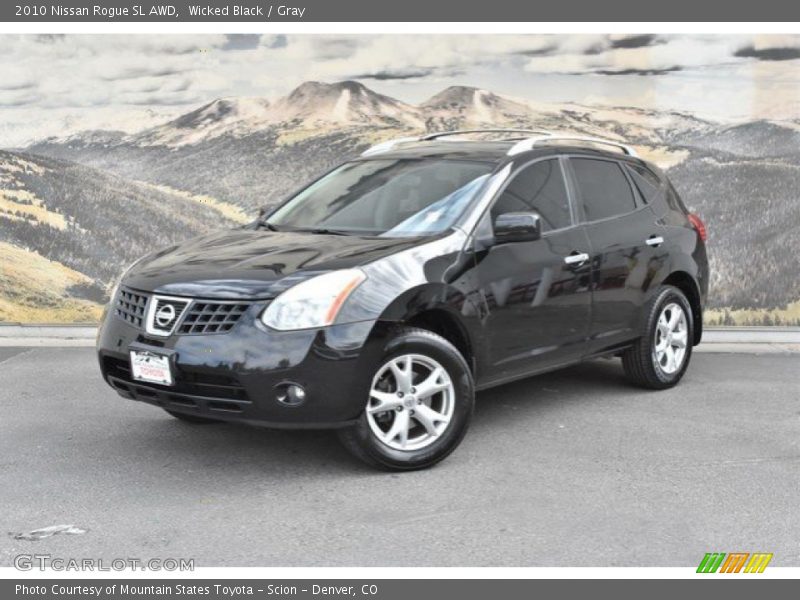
(392, 198)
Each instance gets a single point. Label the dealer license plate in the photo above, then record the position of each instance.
(151, 367)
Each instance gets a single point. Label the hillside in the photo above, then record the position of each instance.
(88, 224)
(753, 218)
(759, 139)
(37, 290)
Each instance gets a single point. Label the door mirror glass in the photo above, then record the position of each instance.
(517, 227)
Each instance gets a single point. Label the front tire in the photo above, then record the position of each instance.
(419, 407)
(660, 357)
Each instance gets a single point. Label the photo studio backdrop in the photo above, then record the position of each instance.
(113, 146)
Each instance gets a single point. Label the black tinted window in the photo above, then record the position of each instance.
(603, 187)
(539, 187)
(646, 182)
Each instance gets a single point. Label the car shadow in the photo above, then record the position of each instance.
(238, 450)
(599, 378)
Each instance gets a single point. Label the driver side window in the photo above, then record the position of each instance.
(538, 187)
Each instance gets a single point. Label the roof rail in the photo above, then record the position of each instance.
(390, 144)
(530, 143)
(439, 134)
(522, 146)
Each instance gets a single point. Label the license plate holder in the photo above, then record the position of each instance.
(151, 367)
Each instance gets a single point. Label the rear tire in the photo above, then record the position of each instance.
(661, 355)
(194, 419)
(419, 407)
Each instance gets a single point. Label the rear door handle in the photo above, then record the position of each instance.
(654, 240)
(576, 258)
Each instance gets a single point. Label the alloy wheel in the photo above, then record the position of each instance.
(671, 338)
(411, 403)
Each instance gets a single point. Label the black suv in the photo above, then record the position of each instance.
(380, 297)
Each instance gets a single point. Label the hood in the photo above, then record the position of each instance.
(250, 264)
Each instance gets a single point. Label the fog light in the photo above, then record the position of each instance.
(291, 394)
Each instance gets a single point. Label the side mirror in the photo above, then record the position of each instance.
(265, 210)
(518, 227)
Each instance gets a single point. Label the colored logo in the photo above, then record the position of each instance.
(735, 562)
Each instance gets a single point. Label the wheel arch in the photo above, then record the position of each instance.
(686, 283)
(438, 308)
(443, 322)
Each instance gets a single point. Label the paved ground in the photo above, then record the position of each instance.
(573, 468)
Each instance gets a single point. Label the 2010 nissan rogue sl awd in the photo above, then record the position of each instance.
(380, 297)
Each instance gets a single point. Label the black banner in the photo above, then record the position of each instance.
(392, 589)
(255, 11)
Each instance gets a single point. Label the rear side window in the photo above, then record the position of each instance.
(646, 182)
(604, 190)
(539, 187)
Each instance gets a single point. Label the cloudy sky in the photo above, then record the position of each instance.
(54, 85)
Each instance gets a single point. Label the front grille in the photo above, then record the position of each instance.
(211, 317)
(187, 382)
(130, 307)
(189, 316)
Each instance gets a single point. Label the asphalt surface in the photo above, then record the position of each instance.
(574, 468)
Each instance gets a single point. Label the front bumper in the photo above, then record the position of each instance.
(236, 376)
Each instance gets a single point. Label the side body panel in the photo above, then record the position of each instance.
(536, 308)
(623, 270)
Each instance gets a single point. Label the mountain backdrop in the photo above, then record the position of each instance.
(76, 210)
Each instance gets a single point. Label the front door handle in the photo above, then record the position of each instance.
(654, 240)
(576, 258)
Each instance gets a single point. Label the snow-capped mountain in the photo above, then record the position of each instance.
(224, 116)
(343, 103)
(464, 107)
(315, 108)
(312, 105)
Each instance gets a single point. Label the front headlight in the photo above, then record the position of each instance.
(314, 302)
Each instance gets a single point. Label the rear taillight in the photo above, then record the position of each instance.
(699, 226)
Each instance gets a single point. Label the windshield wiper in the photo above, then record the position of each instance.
(315, 230)
(325, 231)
